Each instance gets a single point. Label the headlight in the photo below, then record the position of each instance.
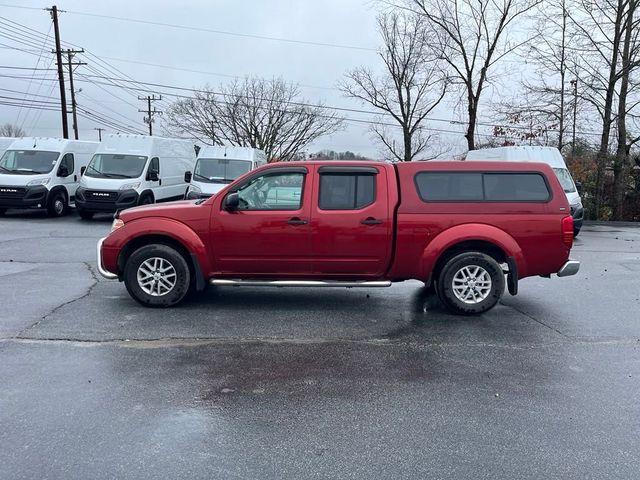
(130, 186)
(193, 193)
(39, 181)
(117, 223)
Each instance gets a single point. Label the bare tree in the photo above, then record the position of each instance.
(254, 112)
(472, 36)
(543, 99)
(410, 88)
(9, 130)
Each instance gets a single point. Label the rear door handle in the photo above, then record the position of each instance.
(296, 221)
(371, 221)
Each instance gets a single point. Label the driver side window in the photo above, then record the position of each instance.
(272, 191)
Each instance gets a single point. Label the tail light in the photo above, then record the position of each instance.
(567, 231)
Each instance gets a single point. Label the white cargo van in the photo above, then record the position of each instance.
(549, 155)
(218, 166)
(43, 173)
(130, 170)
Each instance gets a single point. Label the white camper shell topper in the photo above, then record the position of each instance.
(131, 170)
(549, 155)
(217, 166)
(43, 173)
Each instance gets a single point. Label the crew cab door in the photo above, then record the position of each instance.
(351, 222)
(269, 233)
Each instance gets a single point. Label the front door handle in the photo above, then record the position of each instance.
(296, 221)
(75, 178)
(371, 221)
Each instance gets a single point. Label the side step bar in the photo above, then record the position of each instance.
(297, 283)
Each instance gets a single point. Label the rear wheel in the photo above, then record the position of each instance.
(84, 214)
(471, 283)
(2, 211)
(57, 204)
(157, 276)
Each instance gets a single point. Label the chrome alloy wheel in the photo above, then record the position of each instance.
(156, 276)
(471, 284)
(58, 206)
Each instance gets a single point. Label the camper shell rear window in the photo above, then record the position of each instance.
(482, 187)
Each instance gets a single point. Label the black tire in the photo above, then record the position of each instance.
(85, 215)
(493, 291)
(146, 199)
(2, 211)
(161, 300)
(57, 206)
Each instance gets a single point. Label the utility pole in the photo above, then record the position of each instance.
(100, 130)
(150, 113)
(70, 54)
(63, 98)
(575, 110)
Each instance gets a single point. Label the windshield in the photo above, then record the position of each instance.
(220, 170)
(28, 162)
(565, 179)
(108, 165)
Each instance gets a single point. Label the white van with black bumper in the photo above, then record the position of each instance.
(43, 173)
(131, 170)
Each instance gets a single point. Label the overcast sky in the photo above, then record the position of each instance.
(316, 68)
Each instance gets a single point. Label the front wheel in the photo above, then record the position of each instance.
(57, 205)
(157, 276)
(471, 283)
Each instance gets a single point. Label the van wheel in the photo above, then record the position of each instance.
(84, 214)
(157, 276)
(2, 211)
(57, 204)
(471, 283)
(145, 199)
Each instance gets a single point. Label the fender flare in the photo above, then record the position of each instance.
(173, 229)
(471, 232)
(55, 189)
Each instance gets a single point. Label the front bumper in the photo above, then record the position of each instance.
(577, 212)
(105, 273)
(23, 197)
(105, 201)
(571, 267)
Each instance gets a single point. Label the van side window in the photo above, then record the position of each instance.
(346, 191)
(479, 187)
(154, 165)
(68, 163)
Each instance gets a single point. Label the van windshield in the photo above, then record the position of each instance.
(28, 162)
(565, 179)
(220, 170)
(109, 165)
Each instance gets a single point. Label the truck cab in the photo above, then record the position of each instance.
(218, 166)
(43, 173)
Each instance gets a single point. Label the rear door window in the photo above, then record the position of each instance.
(346, 191)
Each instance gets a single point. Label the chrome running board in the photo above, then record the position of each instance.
(298, 283)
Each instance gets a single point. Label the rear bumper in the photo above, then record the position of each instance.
(105, 201)
(571, 267)
(105, 273)
(24, 197)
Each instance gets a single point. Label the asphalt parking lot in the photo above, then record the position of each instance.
(295, 383)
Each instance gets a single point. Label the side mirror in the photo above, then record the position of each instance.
(63, 171)
(152, 176)
(579, 187)
(82, 170)
(187, 177)
(231, 202)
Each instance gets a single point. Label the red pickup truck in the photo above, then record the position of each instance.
(465, 228)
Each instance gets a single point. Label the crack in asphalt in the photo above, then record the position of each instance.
(531, 317)
(171, 342)
(58, 307)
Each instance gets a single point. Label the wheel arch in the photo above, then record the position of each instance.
(483, 238)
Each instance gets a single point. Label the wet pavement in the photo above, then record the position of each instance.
(295, 383)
